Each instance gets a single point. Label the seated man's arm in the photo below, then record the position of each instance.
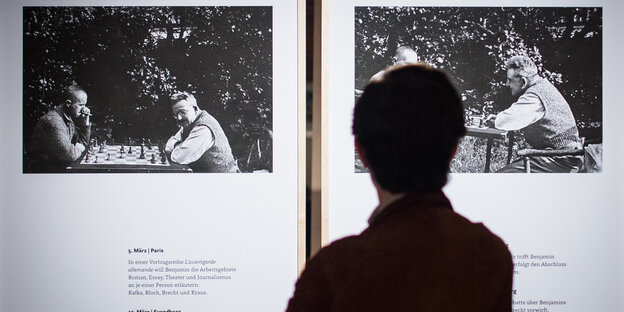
(59, 143)
(84, 134)
(173, 141)
(196, 144)
(524, 112)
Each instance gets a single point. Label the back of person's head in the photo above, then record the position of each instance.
(408, 123)
(522, 65)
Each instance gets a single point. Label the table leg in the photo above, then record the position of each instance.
(510, 147)
(488, 155)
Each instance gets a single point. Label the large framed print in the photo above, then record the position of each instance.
(562, 228)
(162, 52)
(153, 155)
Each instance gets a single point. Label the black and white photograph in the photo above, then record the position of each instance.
(148, 89)
(530, 79)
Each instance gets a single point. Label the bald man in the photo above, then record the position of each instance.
(61, 135)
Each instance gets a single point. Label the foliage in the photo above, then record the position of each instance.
(471, 45)
(471, 153)
(130, 59)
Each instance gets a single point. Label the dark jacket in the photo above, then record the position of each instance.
(416, 255)
(54, 142)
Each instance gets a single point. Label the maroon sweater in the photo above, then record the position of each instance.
(416, 255)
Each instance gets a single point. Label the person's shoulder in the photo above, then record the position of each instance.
(51, 115)
(378, 75)
(342, 243)
(484, 232)
(205, 115)
(540, 84)
(51, 119)
(206, 120)
(488, 241)
(476, 232)
(340, 247)
(476, 227)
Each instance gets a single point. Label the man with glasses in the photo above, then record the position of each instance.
(200, 142)
(543, 115)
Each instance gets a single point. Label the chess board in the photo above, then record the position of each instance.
(112, 155)
(110, 160)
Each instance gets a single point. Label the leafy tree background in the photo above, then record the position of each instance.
(471, 45)
(130, 59)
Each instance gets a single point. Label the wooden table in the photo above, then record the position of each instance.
(491, 134)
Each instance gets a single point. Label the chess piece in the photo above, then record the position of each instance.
(96, 160)
(130, 150)
(153, 160)
(122, 149)
(163, 158)
(107, 156)
(101, 148)
(149, 144)
(87, 158)
(142, 156)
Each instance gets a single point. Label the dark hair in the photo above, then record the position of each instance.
(408, 124)
(72, 91)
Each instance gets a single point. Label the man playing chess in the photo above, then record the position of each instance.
(543, 114)
(61, 135)
(200, 142)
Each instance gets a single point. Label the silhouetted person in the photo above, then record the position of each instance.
(417, 254)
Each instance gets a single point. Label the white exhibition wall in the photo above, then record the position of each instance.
(72, 242)
(570, 218)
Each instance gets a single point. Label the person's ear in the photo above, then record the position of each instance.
(525, 83)
(361, 153)
(454, 152)
(68, 103)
